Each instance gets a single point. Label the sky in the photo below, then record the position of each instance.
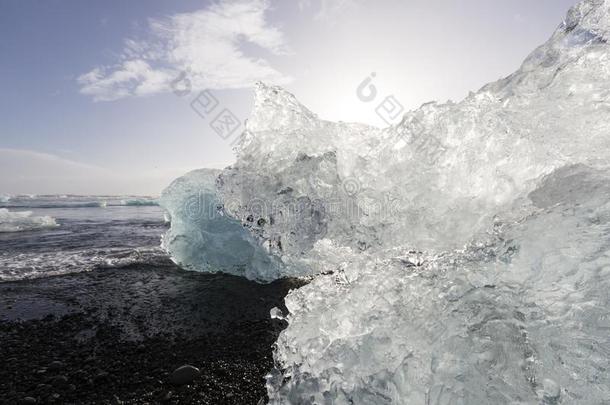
(121, 97)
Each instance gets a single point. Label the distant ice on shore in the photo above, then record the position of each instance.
(139, 202)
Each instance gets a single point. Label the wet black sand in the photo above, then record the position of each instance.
(116, 335)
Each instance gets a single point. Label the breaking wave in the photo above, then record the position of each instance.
(24, 221)
(61, 202)
(459, 257)
(20, 266)
(85, 204)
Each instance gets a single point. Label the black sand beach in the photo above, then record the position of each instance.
(115, 336)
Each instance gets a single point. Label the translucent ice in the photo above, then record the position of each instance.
(204, 238)
(492, 323)
(459, 257)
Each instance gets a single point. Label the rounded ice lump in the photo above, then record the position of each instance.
(204, 238)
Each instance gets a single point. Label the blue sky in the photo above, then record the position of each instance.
(87, 104)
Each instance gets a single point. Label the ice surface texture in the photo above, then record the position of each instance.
(204, 238)
(460, 257)
(23, 221)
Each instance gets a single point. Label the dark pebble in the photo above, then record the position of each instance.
(60, 381)
(55, 366)
(184, 375)
(101, 376)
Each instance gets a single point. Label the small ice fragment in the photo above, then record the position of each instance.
(276, 313)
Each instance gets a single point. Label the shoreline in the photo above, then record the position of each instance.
(116, 335)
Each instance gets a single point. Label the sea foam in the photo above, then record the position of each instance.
(24, 221)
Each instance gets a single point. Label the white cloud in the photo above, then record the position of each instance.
(32, 172)
(207, 44)
(16, 161)
(35, 172)
(329, 10)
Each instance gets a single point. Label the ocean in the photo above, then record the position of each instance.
(43, 236)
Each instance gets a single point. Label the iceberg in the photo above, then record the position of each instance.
(461, 256)
(24, 221)
(139, 202)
